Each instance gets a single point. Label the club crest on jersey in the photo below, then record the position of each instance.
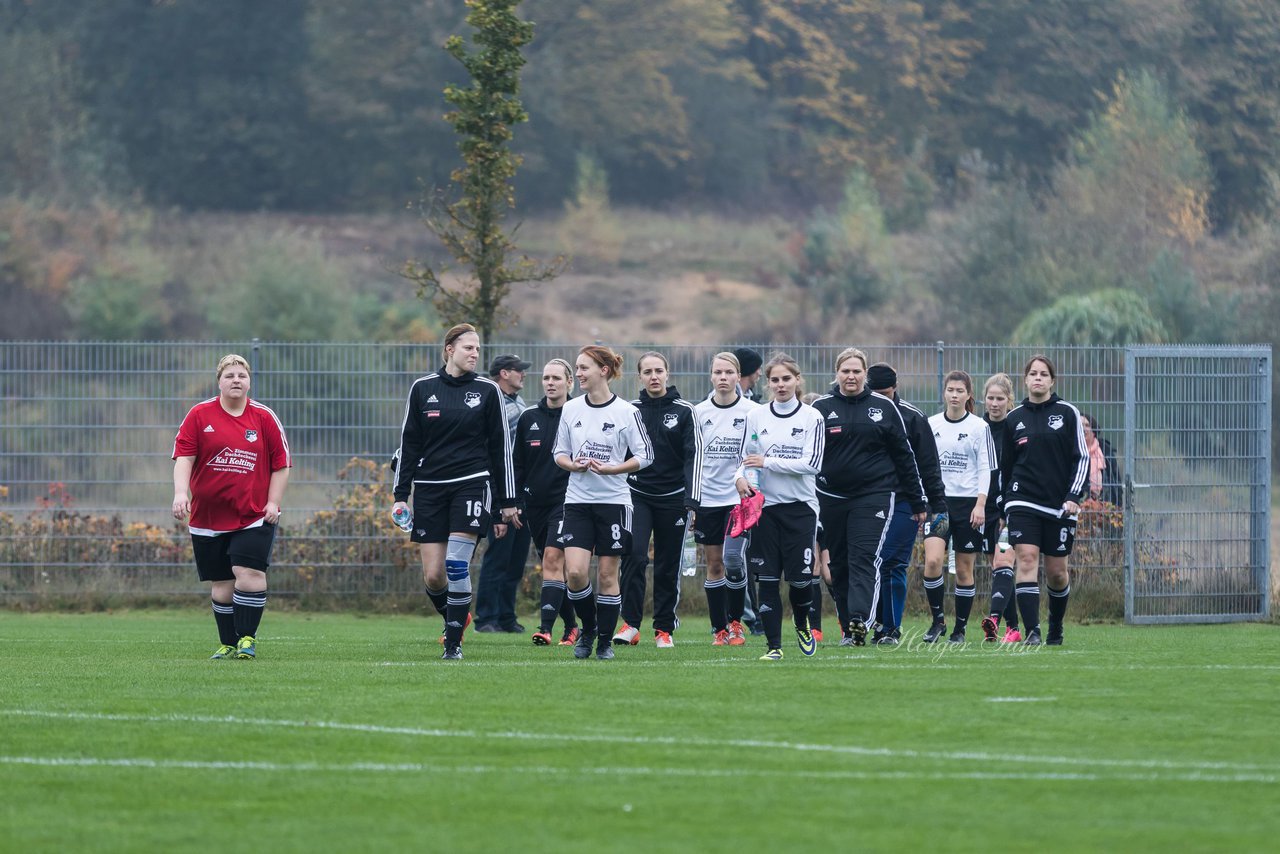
(875, 414)
(670, 420)
(606, 428)
(961, 436)
(251, 435)
(737, 422)
(1055, 422)
(796, 431)
(472, 399)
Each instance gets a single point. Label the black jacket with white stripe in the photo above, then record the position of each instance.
(455, 430)
(1044, 462)
(672, 425)
(539, 481)
(926, 451)
(867, 450)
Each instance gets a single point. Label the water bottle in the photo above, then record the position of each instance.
(753, 474)
(689, 554)
(1002, 543)
(403, 519)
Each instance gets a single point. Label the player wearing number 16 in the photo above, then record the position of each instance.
(455, 454)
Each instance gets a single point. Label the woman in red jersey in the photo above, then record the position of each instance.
(231, 465)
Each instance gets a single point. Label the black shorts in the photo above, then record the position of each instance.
(542, 519)
(604, 529)
(711, 526)
(441, 509)
(1054, 537)
(965, 539)
(990, 532)
(216, 555)
(782, 543)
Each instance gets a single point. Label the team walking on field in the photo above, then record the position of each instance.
(832, 489)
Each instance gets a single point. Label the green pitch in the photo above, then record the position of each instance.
(349, 734)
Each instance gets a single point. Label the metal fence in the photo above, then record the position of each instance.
(87, 429)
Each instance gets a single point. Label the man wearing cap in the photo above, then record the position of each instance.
(505, 558)
(749, 362)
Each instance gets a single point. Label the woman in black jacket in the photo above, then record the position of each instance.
(867, 458)
(664, 498)
(1045, 472)
(455, 453)
(541, 484)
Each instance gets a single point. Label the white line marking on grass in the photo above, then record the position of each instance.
(1021, 699)
(672, 741)
(656, 771)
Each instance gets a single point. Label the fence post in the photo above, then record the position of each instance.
(942, 371)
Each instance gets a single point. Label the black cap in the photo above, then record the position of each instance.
(880, 376)
(749, 361)
(507, 362)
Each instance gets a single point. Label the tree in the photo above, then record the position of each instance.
(837, 259)
(471, 225)
(1105, 318)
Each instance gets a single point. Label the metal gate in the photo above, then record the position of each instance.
(1197, 484)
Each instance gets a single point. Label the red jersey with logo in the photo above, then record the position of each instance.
(234, 459)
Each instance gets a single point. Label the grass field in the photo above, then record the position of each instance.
(349, 734)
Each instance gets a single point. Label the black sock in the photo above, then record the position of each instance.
(735, 601)
(584, 605)
(552, 599)
(439, 599)
(801, 605)
(224, 616)
(717, 593)
(1001, 592)
(567, 614)
(815, 607)
(1057, 608)
(1028, 593)
(964, 605)
(1011, 608)
(769, 609)
(607, 610)
(455, 617)
(248, 609)
(935, 589)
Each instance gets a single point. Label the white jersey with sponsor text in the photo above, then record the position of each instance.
(792, 444)
(605, 433)
(722, 429)
(966, 454)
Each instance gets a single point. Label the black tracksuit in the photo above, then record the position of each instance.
(662, 496)
(455, 429)
(539, 481)
(926, 451)
(1044, 462)
(868, 458)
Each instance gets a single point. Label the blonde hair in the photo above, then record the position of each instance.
(229, 360)
(851, 353)
(731, 358)
(810, 397)
(782, 360)
(568, 369)
(1002, 382)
